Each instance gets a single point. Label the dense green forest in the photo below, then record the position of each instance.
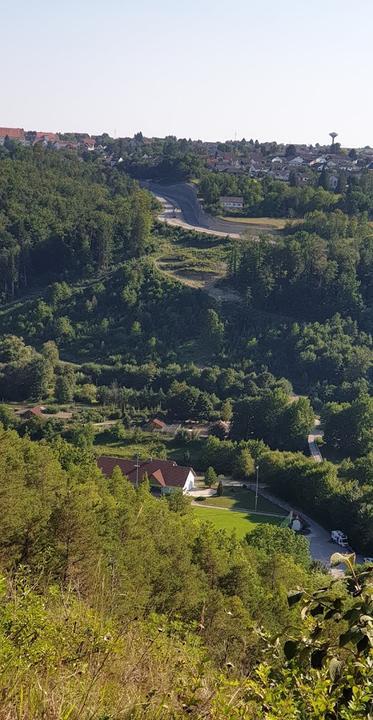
(113, 603)
(60, 216)
(275, 198)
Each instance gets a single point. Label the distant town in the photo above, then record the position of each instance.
(236, 157)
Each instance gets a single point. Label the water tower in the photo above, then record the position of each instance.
(333, 136)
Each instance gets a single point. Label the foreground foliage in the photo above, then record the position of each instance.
(117, 605)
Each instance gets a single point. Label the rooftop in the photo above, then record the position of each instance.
(165, 473)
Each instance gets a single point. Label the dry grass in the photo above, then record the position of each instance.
(78, 666)
(259, 223)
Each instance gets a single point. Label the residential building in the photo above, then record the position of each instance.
(17, 134)
(231, 202)
(164, 475)
(33, 412)
(88, 143)
(156, 425)
(46, 137)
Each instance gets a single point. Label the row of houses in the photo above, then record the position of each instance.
(280, 167)
(164, 476)
(33, 137)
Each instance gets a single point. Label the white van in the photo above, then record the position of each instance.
(339, 537)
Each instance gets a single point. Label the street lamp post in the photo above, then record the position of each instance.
(256, 487)
(137, 471)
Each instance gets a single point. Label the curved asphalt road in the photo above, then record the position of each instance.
(184, 197)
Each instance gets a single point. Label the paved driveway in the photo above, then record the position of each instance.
(321, 547)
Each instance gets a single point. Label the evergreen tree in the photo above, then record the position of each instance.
(210, 477)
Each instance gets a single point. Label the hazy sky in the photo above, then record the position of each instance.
(287, 70)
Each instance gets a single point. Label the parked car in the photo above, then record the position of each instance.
(339, 537)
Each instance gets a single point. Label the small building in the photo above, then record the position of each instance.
(33, 412)
(88, 144)
(296, 161)
(164, 475)
(45, 137)
(156, 425)
(231, 202)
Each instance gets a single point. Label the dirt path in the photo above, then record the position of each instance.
(312, 442)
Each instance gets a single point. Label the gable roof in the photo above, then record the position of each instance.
(107, 465)
(50, 136)
(37, 411)
(166, 473)
(158, 423)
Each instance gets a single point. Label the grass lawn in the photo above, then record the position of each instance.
(148, 444)
(241, 522)
(239, 498)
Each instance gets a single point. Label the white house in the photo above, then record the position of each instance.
(231, 202)
(164, 476)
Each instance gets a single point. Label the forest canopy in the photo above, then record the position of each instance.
(61, 217)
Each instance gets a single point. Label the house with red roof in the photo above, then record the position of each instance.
(17, 134)
(163, 475)
(88, 143)
(45, 137)
(156, 424)
(37, 411)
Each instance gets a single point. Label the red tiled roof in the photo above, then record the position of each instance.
(158, 423)
(158, 476)
(51, 137)
(107, 465)
(38, 411)
(14, 133)
(165, 472)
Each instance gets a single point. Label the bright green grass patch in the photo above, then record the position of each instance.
(240, 522)
(237, 498)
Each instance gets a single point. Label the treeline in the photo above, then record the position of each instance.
(136, 314)
(329, 360)
(274, 198)
(348, 427)
(264, 198)
(323, 267)
(147, 555)
(336, 497)
(61, 216)
(258, 404)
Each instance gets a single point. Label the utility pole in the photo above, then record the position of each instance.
(137, 471)
(256, 487)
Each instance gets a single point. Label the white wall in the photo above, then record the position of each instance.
(189, 483)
